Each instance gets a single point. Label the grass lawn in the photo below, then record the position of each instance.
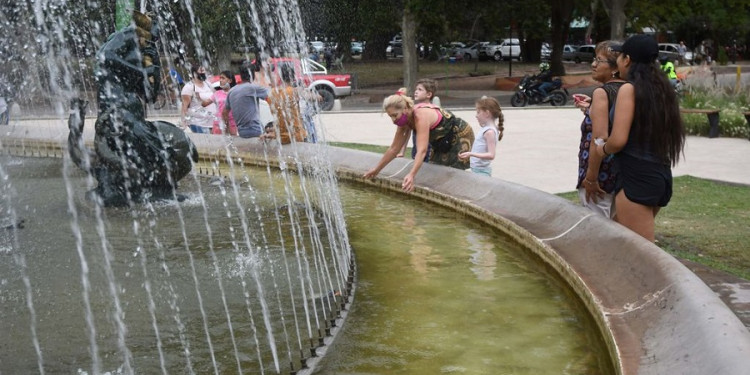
(707, 222)
(391, 72)
(364, 147)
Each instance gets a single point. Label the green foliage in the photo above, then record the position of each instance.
(722, 58)
(732, 122)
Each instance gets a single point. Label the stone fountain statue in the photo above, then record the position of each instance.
(133, 159)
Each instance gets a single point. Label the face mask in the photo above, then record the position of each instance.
(402, 121)
(202, 76)
(226, 85)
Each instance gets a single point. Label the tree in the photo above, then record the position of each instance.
(561, 11)
(616, 11)
(379, 21)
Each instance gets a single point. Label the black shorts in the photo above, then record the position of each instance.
(644, 182)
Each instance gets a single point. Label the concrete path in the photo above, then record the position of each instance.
(540, 146)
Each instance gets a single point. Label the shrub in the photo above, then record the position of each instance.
(732, 122)
(722, 56)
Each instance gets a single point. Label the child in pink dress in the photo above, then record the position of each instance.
(226, 82)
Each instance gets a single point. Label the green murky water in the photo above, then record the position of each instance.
(440, 293)
(437, 292)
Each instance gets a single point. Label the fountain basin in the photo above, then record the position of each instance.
(655, 316)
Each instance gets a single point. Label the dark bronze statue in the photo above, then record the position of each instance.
(133, 159)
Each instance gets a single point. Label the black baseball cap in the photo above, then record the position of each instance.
(641, 48)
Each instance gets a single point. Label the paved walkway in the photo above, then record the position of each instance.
(540, 146)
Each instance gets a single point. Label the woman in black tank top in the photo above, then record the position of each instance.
(596, 175)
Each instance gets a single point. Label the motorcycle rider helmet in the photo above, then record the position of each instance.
(544, 66)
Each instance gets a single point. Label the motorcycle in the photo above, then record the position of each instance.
(528, 94)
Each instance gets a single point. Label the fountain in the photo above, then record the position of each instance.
(253, 271)
(135, 159)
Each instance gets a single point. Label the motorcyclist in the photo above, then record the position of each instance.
(543, 79)
(668, 68)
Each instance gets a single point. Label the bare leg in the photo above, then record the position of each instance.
(635, 216)
(403, 149)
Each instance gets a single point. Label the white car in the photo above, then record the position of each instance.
(546, 52)
(569, 52)
(500, 50)
(470, 51)
(669, 50)
(317, 46)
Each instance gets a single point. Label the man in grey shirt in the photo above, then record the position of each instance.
(242, 100)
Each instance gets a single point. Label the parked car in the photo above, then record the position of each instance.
(569, 52)
(470, 50)
(357, 48)
(314, 76)
(507, 48)
(669, 50)
(394, 49)
(584, 53)
(546, 52)
(317, 46)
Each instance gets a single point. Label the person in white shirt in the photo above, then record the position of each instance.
(490, 118)
(198, 111)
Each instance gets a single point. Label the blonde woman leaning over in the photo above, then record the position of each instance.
(424, 92)
(490, 119)
(597, 175)
(447, 134)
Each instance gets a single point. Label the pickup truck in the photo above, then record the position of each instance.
(314, 76)
(509, 48)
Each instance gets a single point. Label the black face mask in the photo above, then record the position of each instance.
(202, 76)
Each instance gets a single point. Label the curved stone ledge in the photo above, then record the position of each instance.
(654, 314)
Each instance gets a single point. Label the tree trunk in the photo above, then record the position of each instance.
(223, 58)
(616, 11)
(562, 11)
(408, 32)
(592, 20)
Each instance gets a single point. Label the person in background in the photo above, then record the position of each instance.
(4, 112)
(242, 102)
(309, 104)
(269, 132)
(668, 69)
(424, 92)
(647, 136)
(681, 52)
(284, 101)
(544, 79)
(328, 57)
(225, 83)
(597, 175)
(198, 111)
(447, 134)
(175, 75)
(490, 118)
